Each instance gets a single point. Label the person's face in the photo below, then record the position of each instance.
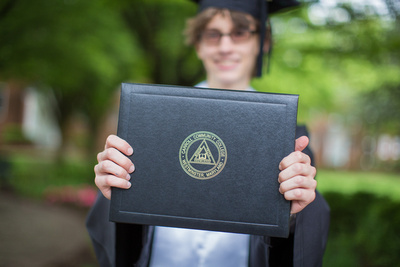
(228, 64)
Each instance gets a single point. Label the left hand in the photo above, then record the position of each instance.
(297, 177)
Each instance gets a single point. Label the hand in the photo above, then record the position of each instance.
(114, 167)
(297, 177)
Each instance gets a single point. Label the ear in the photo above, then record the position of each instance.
(198, 51)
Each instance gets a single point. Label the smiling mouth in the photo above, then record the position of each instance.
(227, 64)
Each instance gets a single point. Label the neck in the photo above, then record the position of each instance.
(231, 86)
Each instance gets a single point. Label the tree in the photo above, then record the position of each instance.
(333, 59)
(79, 49)
(157, 26)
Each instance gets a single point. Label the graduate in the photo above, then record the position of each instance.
(230, 38)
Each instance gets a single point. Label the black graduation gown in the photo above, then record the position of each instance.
(118, 244)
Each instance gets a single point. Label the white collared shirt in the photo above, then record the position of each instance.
(204, 84)
(198, 248)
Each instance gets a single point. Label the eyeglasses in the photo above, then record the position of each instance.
(212, 37)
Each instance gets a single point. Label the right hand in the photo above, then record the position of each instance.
(114, 167)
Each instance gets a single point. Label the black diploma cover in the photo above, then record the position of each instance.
(205, 158)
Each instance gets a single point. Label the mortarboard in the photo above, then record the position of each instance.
(259, 9)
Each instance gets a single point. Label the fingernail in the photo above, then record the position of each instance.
(128, 177)
(132, 168)
(130, 151)
(129, 184)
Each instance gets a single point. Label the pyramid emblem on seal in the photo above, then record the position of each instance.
(203, 155)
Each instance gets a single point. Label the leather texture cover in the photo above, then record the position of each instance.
(205, 158)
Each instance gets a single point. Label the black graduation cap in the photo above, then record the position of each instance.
(259, 9)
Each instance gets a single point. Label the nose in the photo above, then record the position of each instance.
(225, 44)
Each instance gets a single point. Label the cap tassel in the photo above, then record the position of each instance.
(263, 19)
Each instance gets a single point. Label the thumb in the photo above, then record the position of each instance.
(301, 143)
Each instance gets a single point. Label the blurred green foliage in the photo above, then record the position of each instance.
(353, 182)
(31, 176)
(339, 66)
(83, 50)
(158, 26)
(364, 231)
(13, 133)
(79, 49)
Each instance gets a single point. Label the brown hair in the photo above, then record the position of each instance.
(196, 25)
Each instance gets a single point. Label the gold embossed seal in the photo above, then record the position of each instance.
(203, 155)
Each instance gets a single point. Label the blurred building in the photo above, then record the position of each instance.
(338, 144)
(27, 117)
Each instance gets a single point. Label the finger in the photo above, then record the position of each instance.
(105, 182)
(301, 143)
(294, 157)
(298, 182)
(117, 157)
(301, 195)
(118, 143)
(109, 167)
(297, 169)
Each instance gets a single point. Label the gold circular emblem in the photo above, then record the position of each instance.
(202, 155)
